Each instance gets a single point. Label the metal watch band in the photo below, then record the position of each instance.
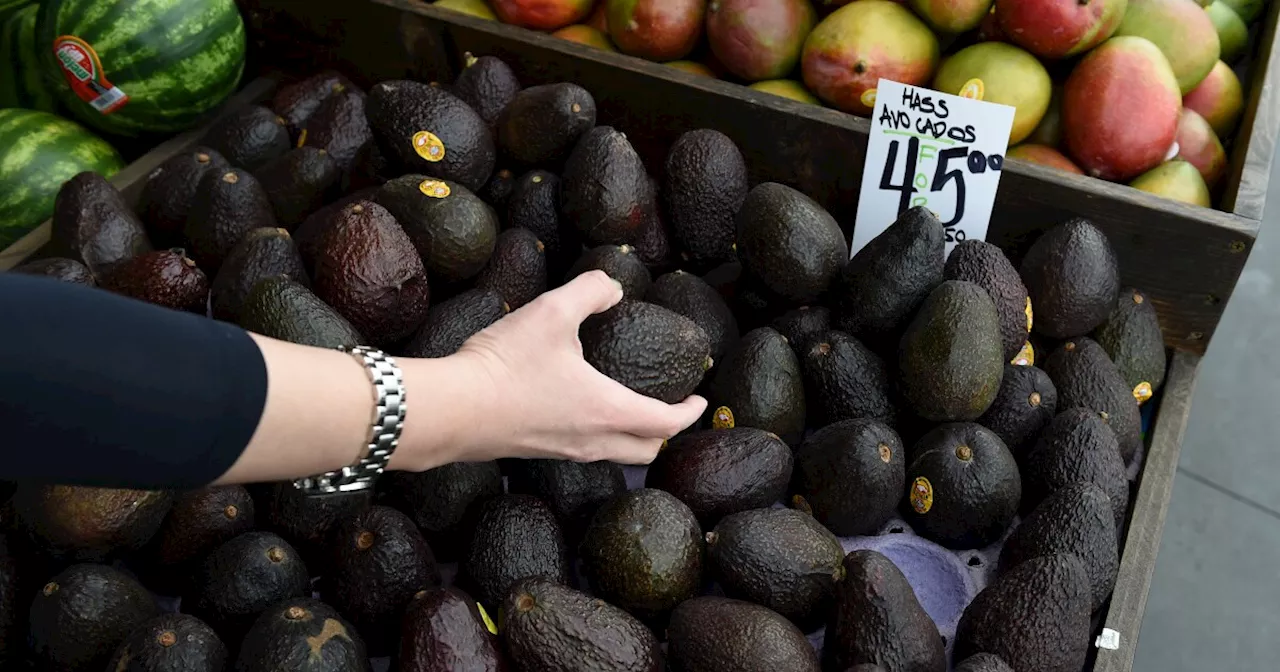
(389, 411)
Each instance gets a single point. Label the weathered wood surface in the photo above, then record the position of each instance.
(1255, 144)
(1155, 487)
(1186, 258)
(131, 178)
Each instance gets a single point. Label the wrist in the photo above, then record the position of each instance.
(447, 400)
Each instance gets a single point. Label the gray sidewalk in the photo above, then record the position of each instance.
(1215, 599)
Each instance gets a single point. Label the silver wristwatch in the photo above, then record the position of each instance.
(388, 421)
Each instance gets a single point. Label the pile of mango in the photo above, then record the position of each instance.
(1134, 91)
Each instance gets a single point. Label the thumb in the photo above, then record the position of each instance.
(590, 293)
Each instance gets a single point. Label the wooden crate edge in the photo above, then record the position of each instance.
(1250, 167)
(136, 172)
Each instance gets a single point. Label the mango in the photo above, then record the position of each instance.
(1248, 10)
(1219, 99)
(1120, 109)
(1000, 73)
(584, 34)
(952, 16)
(659, 30)
(541, 14)
(693, 68)
(475, 8)
(989, 30)
(1200, 146)
(1182, 30)
(599, 17)
(787, 88)
(1233, 34)
(848, 53)
(759, 39)
(1059, 28)
(1049, 131)
(1177, 180)
(1044, 156)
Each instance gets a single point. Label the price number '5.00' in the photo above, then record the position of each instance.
(952, 164)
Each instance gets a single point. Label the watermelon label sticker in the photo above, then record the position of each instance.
(83, 71)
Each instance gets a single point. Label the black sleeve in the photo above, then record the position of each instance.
(98, 389)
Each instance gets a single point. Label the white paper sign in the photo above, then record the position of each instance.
(933, 149)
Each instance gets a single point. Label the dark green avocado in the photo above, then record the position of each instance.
(162, 277)
(886, 281)
(92, 224)
(619, 262)
(378, 562)
(487, 84)
(426, 129)
(1086, 377)
(58, 268)
(573, 490)
(281, 307)
(643, 552)
(963, 486)
(704, 187)
(340, 127)
(985, 265)
(369, 169)
(950, 361)
(542, 123)
(691, 296)
(653, 245)
(81, 615)
(878, 617)
(1077, 446)
(200, 521)
(535, 205)
(515, 537)
(801, 325)
(453, 230)
(170, 643)
(1025, 404)
(165, 202)
(1073, 278)
(497, 191)
(440, 499)
(449, 324)
(606, 192)
(250, 137)
(712, 634)
(298, 183)
(850, 476)
(844, 380)
(305, 522)
(650, 349)
(1132, 338)
(780, 558)
(227, 206)
(789, 242)
(262, 253)
(983, 662)
(717, 472)
(296, 102)
(366, 267)
(243, 577)
(84, 524)
(444, 629)
(760, 383)
(517, 269)
(303, 635)
(1034, 617)
(1076, 519)
(553, 627)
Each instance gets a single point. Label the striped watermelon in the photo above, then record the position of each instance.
(8, 7)
(21, 83)
(174, 59)
(38, 152)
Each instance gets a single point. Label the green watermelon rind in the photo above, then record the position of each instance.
(8, 7)
(175, 59)
(38, 152)
(22, 83)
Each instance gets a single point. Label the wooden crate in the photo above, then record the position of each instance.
(1186, 258)
(131, 178)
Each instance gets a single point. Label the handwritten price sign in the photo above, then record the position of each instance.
(933, 149)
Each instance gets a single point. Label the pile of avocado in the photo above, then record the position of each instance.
(845, 392)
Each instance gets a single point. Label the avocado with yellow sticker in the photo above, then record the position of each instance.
(999, 73)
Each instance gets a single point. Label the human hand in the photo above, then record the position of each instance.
(547, 401)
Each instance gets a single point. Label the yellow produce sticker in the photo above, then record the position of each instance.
(434, 188)
(1142, 392)
(973, 89)
(1029, 315)
(722, 419)
(428, 146)
(488, 622)
(302, 137)
(868, 98)
(921, 495)
(1026, 356)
